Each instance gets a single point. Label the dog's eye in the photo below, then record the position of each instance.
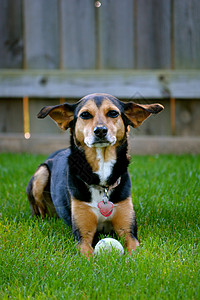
(113, 114)
(85, 115)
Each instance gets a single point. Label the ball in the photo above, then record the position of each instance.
(108, 245)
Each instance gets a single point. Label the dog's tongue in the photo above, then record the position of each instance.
(105, 208)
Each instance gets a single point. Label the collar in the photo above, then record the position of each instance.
(107, 189)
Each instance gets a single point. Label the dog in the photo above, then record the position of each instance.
(88, 185)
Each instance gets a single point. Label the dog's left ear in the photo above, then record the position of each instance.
(137, 113)
(62, 114)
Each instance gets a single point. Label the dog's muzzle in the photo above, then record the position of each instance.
(100, 138)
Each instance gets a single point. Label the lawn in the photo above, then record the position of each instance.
(41, 260)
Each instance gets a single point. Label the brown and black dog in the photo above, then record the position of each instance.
(88, 185)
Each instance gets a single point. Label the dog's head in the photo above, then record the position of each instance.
(99, 120)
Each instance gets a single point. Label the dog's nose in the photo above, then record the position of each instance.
(100, 131)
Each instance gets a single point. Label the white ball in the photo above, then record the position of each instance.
(108, 245)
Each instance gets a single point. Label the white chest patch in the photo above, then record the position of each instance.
(105, 168)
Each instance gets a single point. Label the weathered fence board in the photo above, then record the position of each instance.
(78, 42)
(187, 120)
(153, 40)
(123, 84)
(11, 40)
(76, 48)
(187, 34)
(116, 34)
(138, 145)
(41, 30)
(11, 115)
(74, 34)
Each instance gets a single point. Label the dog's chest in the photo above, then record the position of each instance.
(105, 167)
(104, 172)
(103, 223)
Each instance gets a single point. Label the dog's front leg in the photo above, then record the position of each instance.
(84, 223)
(124, 224)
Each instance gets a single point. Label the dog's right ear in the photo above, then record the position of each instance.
(62, 114)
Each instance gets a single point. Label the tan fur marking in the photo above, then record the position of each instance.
(91, 156)
(39, 183)
(86, 222)
(109, 153)
(122, 221)
(84, 129)
(115, 125)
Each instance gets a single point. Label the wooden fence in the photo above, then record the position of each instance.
(74, 34)
(60, 50)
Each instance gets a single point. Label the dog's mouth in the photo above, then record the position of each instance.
(100, 143)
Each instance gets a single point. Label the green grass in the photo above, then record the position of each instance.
(40, 260)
